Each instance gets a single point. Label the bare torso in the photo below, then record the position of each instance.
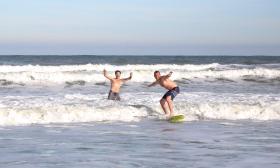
(167, 83)
(116, 85)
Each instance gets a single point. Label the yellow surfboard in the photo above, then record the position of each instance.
(177, 118)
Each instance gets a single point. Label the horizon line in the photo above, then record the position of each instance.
(177, 55)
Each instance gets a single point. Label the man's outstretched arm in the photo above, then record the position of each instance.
(168, 75)
(106, 75)
(129, 78)
(153, 84)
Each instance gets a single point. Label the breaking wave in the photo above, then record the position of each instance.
(71, 108)
(90, 73)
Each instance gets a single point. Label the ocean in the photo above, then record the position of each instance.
(54, 112)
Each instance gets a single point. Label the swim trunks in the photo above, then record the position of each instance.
(114, 96)
(173, 93)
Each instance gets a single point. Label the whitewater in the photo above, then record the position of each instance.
(54, 112)
(35, 93)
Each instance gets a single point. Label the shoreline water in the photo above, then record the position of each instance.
(142, 144)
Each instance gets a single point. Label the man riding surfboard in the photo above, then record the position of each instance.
(167, 99)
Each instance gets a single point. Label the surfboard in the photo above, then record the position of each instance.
(177, 118)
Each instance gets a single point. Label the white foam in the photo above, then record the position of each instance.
(20, 110)
(230, 106)
(49, 75)
(230, 111)
(67, 114)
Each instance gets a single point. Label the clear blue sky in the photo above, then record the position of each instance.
(185, 27)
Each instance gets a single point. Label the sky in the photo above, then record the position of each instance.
(140, 27)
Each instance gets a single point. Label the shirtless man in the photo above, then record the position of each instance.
(167, 99)
(116, 84)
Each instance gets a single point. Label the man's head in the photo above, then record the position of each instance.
(157, 75)
(117, 73)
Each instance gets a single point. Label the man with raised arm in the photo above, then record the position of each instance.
(167, 99)
(116, 83)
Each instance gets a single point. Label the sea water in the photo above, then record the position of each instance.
(54, 112)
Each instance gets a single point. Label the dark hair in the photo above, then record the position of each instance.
(118, 71)
(156, 72)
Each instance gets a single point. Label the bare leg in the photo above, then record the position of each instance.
(170, 105)
(164, 106)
